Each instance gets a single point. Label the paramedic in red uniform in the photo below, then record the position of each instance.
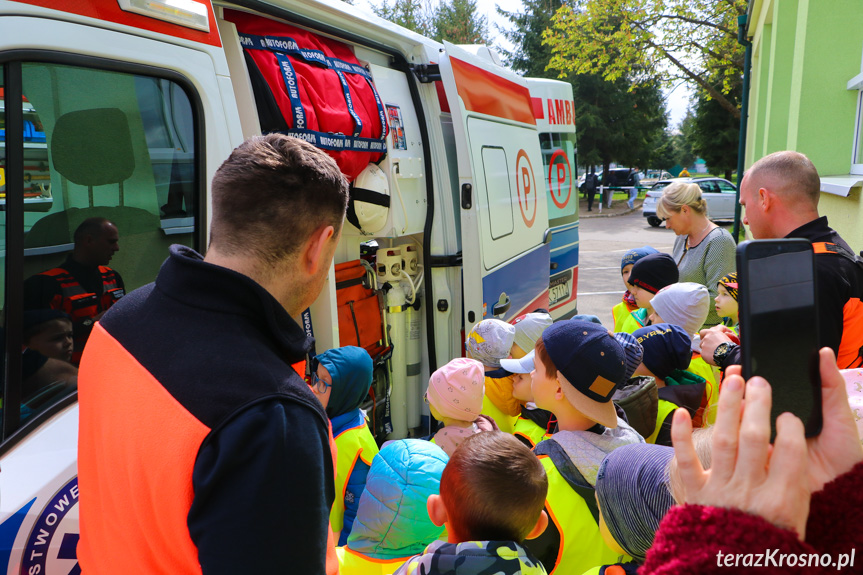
(780, 193)
(83, 286)
(200, 449)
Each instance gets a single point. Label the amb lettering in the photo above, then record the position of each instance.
(559, 111)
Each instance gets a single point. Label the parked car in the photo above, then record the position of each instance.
(650, 177)
(621, 178)
(721, 195)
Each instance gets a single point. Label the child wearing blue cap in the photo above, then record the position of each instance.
(667, 355)
(341, 379)
(628, 305)
(578, 367)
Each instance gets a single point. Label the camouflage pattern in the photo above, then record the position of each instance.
(473, 558)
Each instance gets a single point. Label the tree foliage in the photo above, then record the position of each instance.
(414, 15)
(714, 134)
(691, 40)
(455, 21)
(617, 120)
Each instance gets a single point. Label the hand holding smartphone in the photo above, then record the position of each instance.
(779, 325)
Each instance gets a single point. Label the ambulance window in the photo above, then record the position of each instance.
(111, 180)
(498, 190)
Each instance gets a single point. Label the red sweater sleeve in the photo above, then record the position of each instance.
(691, 537)
(833, 514)
(698, 540)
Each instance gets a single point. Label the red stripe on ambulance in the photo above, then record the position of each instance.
(488, 93)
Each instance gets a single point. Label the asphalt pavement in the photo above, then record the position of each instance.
(602, 243)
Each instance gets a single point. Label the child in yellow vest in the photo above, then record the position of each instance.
(454, 396)
(667, 354)
(649, 275)
(392, 522)
(345, 375)
(622, 310)
(491, 499)
(686, 304)
(489, 342)
(532, 425)
(579, 365)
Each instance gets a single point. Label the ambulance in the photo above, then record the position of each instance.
(463, 202)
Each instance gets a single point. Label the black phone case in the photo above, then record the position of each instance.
(754, 250)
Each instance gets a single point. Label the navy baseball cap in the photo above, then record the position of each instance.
(666, 348)
(591, 364)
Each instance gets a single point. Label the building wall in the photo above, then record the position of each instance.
(804, 53)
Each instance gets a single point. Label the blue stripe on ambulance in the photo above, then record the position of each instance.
(523, 279)
(9, 531)
(564, 247)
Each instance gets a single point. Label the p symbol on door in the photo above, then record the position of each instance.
(525, 185)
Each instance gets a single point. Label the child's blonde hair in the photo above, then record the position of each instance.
(701, 439)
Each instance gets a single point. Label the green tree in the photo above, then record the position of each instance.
(617, 120)
(715, 135)
(414, 15)
(663, 156)
(683, 152)
(457, 21)
(690, 40)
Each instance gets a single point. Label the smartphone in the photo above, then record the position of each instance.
(779, 325)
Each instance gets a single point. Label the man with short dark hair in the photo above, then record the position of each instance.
(201, 450)
(83, 286)
(780, 193)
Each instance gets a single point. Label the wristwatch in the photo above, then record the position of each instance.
(721, 353)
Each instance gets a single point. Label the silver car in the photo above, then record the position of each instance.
(720, 196)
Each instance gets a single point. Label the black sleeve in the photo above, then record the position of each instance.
(833, 293)
(120, 283)
(260, 502)
(39, 291)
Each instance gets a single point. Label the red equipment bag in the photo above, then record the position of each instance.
(313, 88)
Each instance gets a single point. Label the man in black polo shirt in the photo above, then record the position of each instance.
(83, 286)
(780, 193)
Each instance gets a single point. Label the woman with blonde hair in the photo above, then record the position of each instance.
(704, 252)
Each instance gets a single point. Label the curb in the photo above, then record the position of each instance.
(598, 215)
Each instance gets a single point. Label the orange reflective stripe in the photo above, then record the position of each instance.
(824, 248)
(852, 335)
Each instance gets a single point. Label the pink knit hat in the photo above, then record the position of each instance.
(456, 389)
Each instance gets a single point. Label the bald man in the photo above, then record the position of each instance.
(780, 193)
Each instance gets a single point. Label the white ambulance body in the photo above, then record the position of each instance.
(470, 215)
(555, 119)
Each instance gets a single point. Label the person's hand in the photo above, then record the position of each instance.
(745, 473)
(710, 340)
(837, 448)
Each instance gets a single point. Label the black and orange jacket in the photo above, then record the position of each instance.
(840, 288)
(200, 449)
(80, 291)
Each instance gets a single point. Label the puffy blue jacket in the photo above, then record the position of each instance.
(392, 519)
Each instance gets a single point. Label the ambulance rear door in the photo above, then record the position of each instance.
(502, 194)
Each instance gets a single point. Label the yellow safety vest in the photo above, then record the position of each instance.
(665, 407)
(620, 312)
(581, 544)
(634, 321)
(352, 445)
(354, 563)
(504, 422)
(529, 430)
(703, 369)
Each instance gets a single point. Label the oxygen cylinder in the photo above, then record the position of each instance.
(414, 364)
(396, 324)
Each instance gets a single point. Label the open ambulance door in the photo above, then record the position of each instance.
(504, 214)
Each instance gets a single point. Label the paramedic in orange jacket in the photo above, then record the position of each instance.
(200, 449)
(83, 286)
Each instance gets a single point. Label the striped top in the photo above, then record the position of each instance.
(706, 263)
